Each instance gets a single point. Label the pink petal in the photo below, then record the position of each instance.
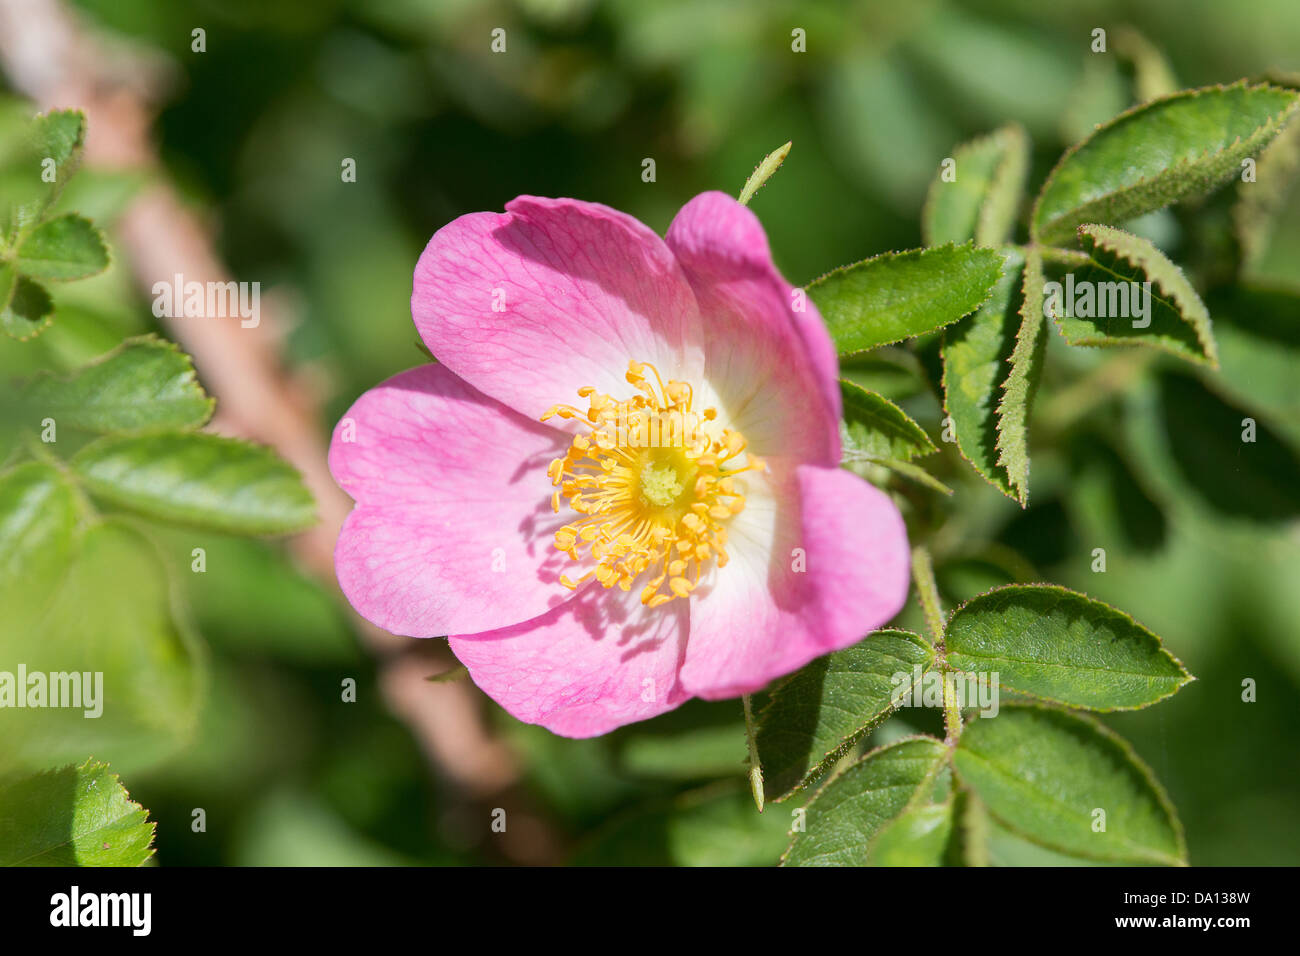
(598, 662)
(761, 619)
(774, 369)
(452, 528)
(586, 288)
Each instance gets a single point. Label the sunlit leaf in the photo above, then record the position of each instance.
(68, 247)
(1062, 646)
(145, 384)
(73, 816)
(1158, 153)
(899, 295)
(198, 479)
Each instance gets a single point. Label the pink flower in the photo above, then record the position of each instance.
(588, 573)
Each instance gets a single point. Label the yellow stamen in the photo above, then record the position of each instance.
(653, 488)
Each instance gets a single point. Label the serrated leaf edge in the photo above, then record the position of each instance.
(835, 753)
(95, 230)
(1162, 797)
(90, 764)
(152, 340)
(1028, 339)
(918, 253)
(1188, 676)
(1263, 134)
(1201, 324)
(1001, 483)
(947, 754)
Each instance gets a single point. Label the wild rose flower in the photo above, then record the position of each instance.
(689, 532)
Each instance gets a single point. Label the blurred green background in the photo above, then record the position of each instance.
(253, 132)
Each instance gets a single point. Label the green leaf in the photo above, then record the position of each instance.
(855, 805)
(132, 674)
(976, 362)
(1022, 382)
(27, 187)
(61, 135)
(27, 311)
(74, 816)
(981, 202)
(68, 247)
(38, 514)
(1062, 646)
(899, 295)
(198, 479)
(101, 194)
(815, 715)
(874, 427)
(1158, 153)
(919, 836)
(1005, 847)
(145, 384)
(1043, 773)
(1176, 320)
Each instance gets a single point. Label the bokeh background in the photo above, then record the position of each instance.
(1202, 546)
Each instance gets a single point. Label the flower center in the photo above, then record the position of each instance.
(653, 485)
(661, 484)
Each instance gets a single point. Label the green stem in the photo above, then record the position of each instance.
(755, 768)
(951, 708)
(928, 593)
